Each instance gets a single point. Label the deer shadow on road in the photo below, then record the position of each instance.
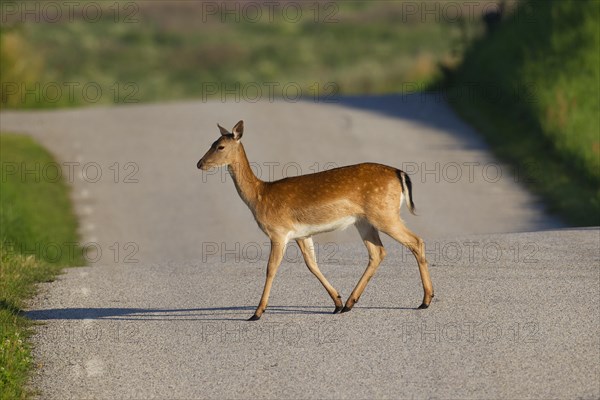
(235, 313)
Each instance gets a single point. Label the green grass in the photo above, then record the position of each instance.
(37, 238)
(532, 88)
(355, 47)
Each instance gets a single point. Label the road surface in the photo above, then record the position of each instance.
(176, 264)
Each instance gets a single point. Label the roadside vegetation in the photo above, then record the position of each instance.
(153, 51)
(532, 88)
(37, 239)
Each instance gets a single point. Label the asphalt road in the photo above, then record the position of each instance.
(177, 264)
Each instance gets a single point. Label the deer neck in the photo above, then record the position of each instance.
(247, 184)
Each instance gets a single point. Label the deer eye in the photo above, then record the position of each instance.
(220, 147)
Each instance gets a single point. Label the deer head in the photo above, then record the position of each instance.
(225, 150)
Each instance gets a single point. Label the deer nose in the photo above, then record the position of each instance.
(199, 165)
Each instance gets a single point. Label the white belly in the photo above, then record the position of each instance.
(303, 231)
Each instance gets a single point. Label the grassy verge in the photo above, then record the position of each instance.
(37, 238)
(532, 87)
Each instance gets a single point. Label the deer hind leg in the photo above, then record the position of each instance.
(415, 244)
(376, 251)
(275, 257)
(308, 252)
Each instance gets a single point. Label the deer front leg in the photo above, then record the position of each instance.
(308, 252)
(275, 257)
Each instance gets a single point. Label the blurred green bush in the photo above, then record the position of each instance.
(533, 87)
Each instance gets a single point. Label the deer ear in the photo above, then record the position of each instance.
(238, 130)
(224, 131)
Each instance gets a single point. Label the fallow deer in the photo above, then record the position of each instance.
(366, 195)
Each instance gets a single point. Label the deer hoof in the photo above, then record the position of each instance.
(254, 318)
(337, 309)
(346, 309)
(423, 306)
